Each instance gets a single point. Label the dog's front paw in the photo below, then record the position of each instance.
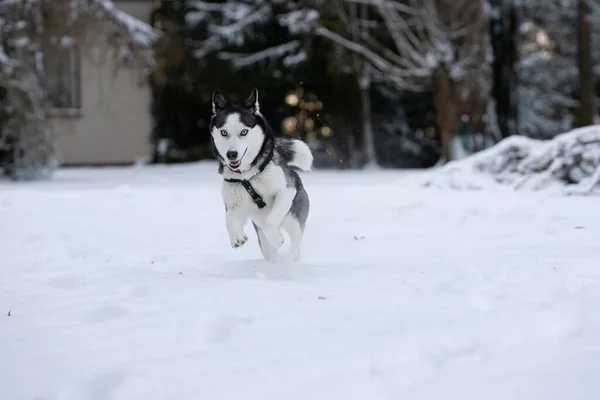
(238, 239)
(274, 236)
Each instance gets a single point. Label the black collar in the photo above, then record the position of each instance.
(248, 186)
(266, 161)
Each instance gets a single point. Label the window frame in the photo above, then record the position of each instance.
(74, 83)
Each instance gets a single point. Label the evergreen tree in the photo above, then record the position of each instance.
(547, 69)
(177, 96)
(549, 85)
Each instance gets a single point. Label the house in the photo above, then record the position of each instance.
(100, 115)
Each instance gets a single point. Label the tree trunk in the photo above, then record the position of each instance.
(364, 85)
(447, 113)
(467, 90)
(504, 31)
(587, 86)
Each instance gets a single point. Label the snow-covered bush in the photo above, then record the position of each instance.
(26, 145)
(570, 161)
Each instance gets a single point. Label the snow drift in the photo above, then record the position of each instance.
(570, 162)
(122, 285)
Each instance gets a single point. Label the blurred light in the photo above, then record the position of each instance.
(529, 48)
(291, 99)
(326, 131)
(309, 124)
(289, 125)
(527, 27)
(318, 105)
(542, 38)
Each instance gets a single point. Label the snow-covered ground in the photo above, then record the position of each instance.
(122, 285)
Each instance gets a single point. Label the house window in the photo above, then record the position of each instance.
(63, 80)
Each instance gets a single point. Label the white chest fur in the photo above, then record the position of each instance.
(267, 184)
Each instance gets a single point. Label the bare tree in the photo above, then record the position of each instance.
(354, 20)
(406, 43)
(412, 45)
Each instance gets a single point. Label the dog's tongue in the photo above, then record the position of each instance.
(235, 163)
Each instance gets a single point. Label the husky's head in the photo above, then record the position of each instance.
(238, 130)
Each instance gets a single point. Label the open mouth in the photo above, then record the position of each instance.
(236, 164)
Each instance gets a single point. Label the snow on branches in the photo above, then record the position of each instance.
(406, 41)
(415, 45)
(132, 39)
(231, 24)
(403, 41)
(570, 161)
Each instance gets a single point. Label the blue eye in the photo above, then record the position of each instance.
(223, 133)
(244, 132)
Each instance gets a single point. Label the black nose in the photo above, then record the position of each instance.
(232, 154)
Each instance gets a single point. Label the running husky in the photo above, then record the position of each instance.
(260, 181)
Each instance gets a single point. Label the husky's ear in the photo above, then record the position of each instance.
(218, 101)
(252, 101)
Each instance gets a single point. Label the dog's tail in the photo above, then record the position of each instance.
(295, 153)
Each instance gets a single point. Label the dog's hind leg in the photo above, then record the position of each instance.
(268, 251)
(294, 229)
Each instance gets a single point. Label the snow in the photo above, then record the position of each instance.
(299, 21)
(141, 33)
(5, 61)
(195, 17)
(243, 60)
(121, 285)
(569, 163)
(243, 17)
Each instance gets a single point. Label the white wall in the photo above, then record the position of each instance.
(115, 123)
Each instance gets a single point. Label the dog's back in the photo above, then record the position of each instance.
(295, 154)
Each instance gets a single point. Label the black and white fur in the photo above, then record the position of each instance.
(243, 142)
